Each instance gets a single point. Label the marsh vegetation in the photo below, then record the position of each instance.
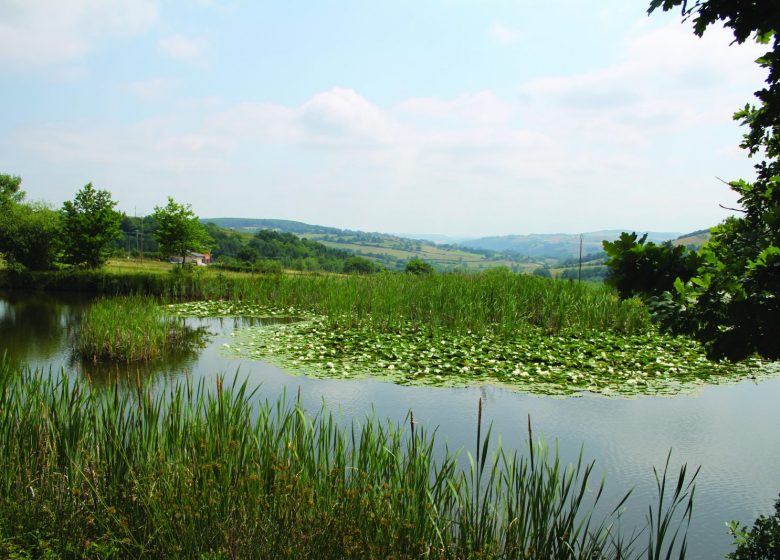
(192, 472)
(131, 329)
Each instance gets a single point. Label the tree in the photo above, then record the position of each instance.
(360, 265)
(29, 232)
(640, 268)
(29, 236)
(543, 272)
(178, 230)
(418, 266)
(10, 192)
(90, 226)
(733, 302)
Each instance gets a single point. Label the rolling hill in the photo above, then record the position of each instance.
(556, 245)
(522, 253)
(391, 251)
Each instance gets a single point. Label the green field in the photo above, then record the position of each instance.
(393, 252)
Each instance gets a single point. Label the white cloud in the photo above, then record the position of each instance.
(184, 49)
(604, 148)
(153, 89)
(483, 107)
(503, 34)
(35, 33)
(662, 82)
(342, 114)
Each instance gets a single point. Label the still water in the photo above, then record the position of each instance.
(730, 430)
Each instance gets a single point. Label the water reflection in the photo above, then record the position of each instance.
(36, 326)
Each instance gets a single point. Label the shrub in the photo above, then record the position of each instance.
(762, 542)
(418, 266)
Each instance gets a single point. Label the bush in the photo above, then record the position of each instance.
(762, 542)
(360, 265)
(418, 266)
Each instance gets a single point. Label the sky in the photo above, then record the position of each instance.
(457, 117)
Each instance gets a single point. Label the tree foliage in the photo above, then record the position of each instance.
(762, 542)
(295, 252)
(138, 235)
(226, 243)
(418, 266)
(178, 230)
(543, 272)
(10, 190)
(29, 232)
(90, 226)
(638, 267)
(733, 302)
(360, 265)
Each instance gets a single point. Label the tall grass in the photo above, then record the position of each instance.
(213, 474)
(496, 300)
(130, 329)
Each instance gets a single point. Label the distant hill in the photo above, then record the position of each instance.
(693, 240)
(391, 251)
(557, 245)
(251, 225)
(522, 253)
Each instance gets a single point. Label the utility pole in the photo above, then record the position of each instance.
(579, 269)
(142, 237)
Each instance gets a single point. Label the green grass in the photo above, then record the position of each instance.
(214, 474)
(132, 328)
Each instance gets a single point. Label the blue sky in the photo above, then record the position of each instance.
(442, 116)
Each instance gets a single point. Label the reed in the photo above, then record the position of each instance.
(131, 328)
(495, 300)
(197, 473)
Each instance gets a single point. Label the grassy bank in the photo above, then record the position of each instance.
(132, 328)
(213, 474)
(495, 301)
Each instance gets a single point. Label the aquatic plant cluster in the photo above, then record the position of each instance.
(198, 473)
(495, 300)
(130, 329)
(564, 364)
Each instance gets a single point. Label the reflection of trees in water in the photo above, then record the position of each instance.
(35, 326)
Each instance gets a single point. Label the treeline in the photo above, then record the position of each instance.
(35, 236)
(269, 250)
(87, 230)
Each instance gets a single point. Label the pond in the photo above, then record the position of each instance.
(730, 430)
